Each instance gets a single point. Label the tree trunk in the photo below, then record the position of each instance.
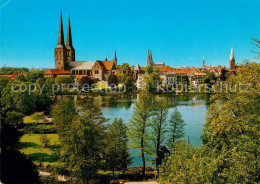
(143, 156)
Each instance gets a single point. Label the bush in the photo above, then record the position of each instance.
(33, 128)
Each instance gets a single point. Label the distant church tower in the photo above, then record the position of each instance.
(115, 59)
(232, 60)
(69, 46)
(60, 50)
(203, 62)
(149, 58)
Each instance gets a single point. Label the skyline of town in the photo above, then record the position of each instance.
(181, 41)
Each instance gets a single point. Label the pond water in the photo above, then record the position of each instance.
(193, 108)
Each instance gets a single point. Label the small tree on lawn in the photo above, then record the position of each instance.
(45, 141)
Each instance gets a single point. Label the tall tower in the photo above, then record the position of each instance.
(149, 60)
(203, 62)
(60, 52)
(232, 60)
(151, 57)
(69, 46)
(115, 59)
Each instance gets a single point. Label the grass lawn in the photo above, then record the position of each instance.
(29, 119)
(31, 146)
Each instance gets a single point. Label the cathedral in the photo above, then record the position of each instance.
(65, 59)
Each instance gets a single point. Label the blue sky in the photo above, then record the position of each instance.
(178, 32)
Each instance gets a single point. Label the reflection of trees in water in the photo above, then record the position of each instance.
(126, 100)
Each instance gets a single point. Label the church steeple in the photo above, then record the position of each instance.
(149, 58)
(60, 52)
(61, 35)
(115, 59)
(232, 60)
(69, 46)
(203, 62)
(69, 38)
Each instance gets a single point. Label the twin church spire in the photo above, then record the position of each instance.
(63, 53)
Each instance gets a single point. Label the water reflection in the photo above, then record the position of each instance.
(193, 108)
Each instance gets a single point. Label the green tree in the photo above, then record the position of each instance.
(45, 141)
(256, 43)
(14, 118)
(125, 66)
(139, 124)
(3, 83)
(187, 165)
(223, 75)
(149, 69)
(62, 114)
(64, 80)
(33, 76)
(210, 78)
(82, 135)
(176, 129)
(15, 166)
(22, 101)
(158, 130)
(112, 79)
(118, 156)
(151, 81)
(231, 131)
(129, 83)
(86, 82)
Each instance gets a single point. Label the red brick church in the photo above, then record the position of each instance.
(66, 64)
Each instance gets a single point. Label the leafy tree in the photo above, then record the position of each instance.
(129, 83)
(118, 156)
(158, 130)
(62, 114)
(10, 70)
(21, 101)
(151, 81)
(82, 136)
(176, 129)
(86, 82)
(232, 127)
(139, 124)
(33, 76)
(3, 83)
(64, 80)
(14, 118)
(256, 43)
(15, 166)
(223, 75)
(187, 165)
(112, 79)
(125, 66)
(149, 69)
(121, 77)
(210, 78)
(45, 141)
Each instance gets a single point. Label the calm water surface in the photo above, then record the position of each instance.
(193, 108)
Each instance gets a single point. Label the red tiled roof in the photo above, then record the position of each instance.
(106, 65)
(57, 72)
